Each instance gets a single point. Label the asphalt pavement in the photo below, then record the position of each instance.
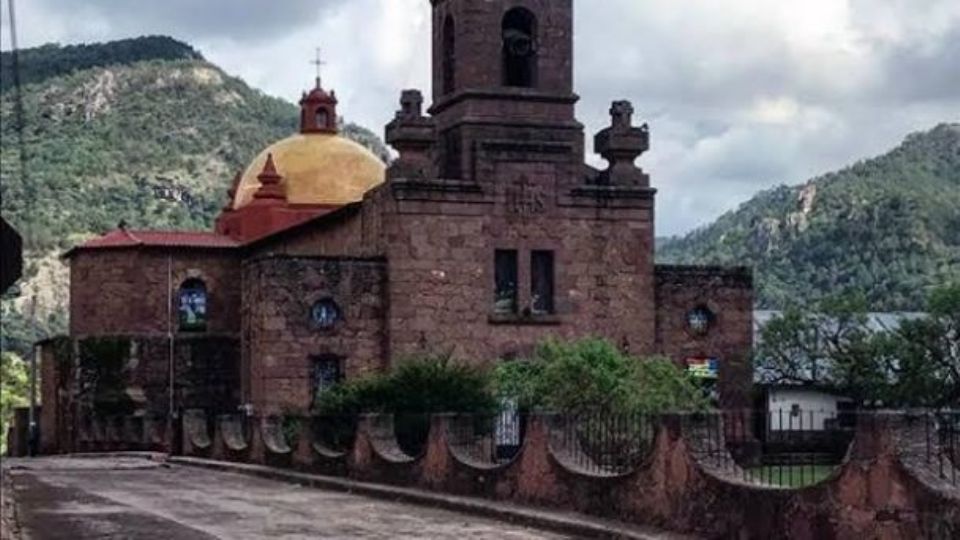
(139, 499)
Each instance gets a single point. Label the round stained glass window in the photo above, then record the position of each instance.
(699, 321)
(325, 314)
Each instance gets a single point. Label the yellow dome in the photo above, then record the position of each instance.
(317, 168)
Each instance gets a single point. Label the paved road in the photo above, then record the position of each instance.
(130, 498)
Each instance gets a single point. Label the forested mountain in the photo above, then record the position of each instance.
(143, 130)
(888, 227)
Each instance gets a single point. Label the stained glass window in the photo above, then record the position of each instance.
(325, 314)
(699, 321)
(193, 306)
(327, 373)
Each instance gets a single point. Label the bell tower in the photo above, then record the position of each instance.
(502, 71)
(502, 45)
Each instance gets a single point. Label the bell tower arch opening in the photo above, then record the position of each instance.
(520, 50)
(503, 88)
(449, 55)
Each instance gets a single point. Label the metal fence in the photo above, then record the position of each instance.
(789, 448)
(937, 445)
(603, 443)
(488, 439)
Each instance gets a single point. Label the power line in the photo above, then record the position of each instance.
(18, 110)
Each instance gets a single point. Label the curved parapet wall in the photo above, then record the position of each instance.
(197, 429)
(381, 432)
(927, 446)
(271, 433)
(85, 430)
(326, 452)
(233, 431)
(677, 486)
(98, 429)
(708, 438)
(333, 437)
(154, 430)
(133, 430)
(705, 437)
(114, 428)
(474, 442)
(600, 448)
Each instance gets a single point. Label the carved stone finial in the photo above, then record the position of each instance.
(621, 114)
(270, 182)
(269, 173)
(411, 104)
(413, 135)
(621, 144)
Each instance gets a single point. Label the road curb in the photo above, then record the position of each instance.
(567, 523)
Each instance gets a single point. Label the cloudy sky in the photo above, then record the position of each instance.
(740, 95)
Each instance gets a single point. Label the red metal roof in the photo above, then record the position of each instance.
(126, 238)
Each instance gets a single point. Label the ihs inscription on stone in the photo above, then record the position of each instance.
(525, 198)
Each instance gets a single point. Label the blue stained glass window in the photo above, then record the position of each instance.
(325, 314)
(193, 306)
(700, 320)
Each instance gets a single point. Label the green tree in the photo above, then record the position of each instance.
(14, 391)
(593, 375)
(924, 354)
(916, 364)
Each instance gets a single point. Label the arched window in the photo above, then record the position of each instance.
(323, 118)
(449, 56)
(193, 306)
(519, 48)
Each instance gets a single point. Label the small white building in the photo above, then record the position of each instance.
(809, 407)
(804, 408)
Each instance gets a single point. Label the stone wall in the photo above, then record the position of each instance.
(875, 493)
(134, 291)
(281, 341)
(116, 376)
(441, 257)
(727, 294)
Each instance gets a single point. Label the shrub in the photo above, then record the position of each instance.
(593, 375)
(416, 388)
(429, 384)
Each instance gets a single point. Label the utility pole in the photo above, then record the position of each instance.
(32, 432)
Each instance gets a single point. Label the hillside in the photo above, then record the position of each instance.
(888, 227)
(142, 130)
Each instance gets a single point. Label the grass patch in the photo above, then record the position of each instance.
(791, 476)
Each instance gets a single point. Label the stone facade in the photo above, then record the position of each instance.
(495, 172)
(115, 376)
(727, 295)
(280, 333)
(134, 291)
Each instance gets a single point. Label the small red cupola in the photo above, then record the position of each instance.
(318, 111)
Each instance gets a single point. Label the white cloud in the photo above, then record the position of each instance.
(740, 94)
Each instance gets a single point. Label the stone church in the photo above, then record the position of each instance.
(486, 235)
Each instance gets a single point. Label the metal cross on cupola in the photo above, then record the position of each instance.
(318, 109)
(319, 63)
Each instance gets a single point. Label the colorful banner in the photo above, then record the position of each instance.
(704, 368)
